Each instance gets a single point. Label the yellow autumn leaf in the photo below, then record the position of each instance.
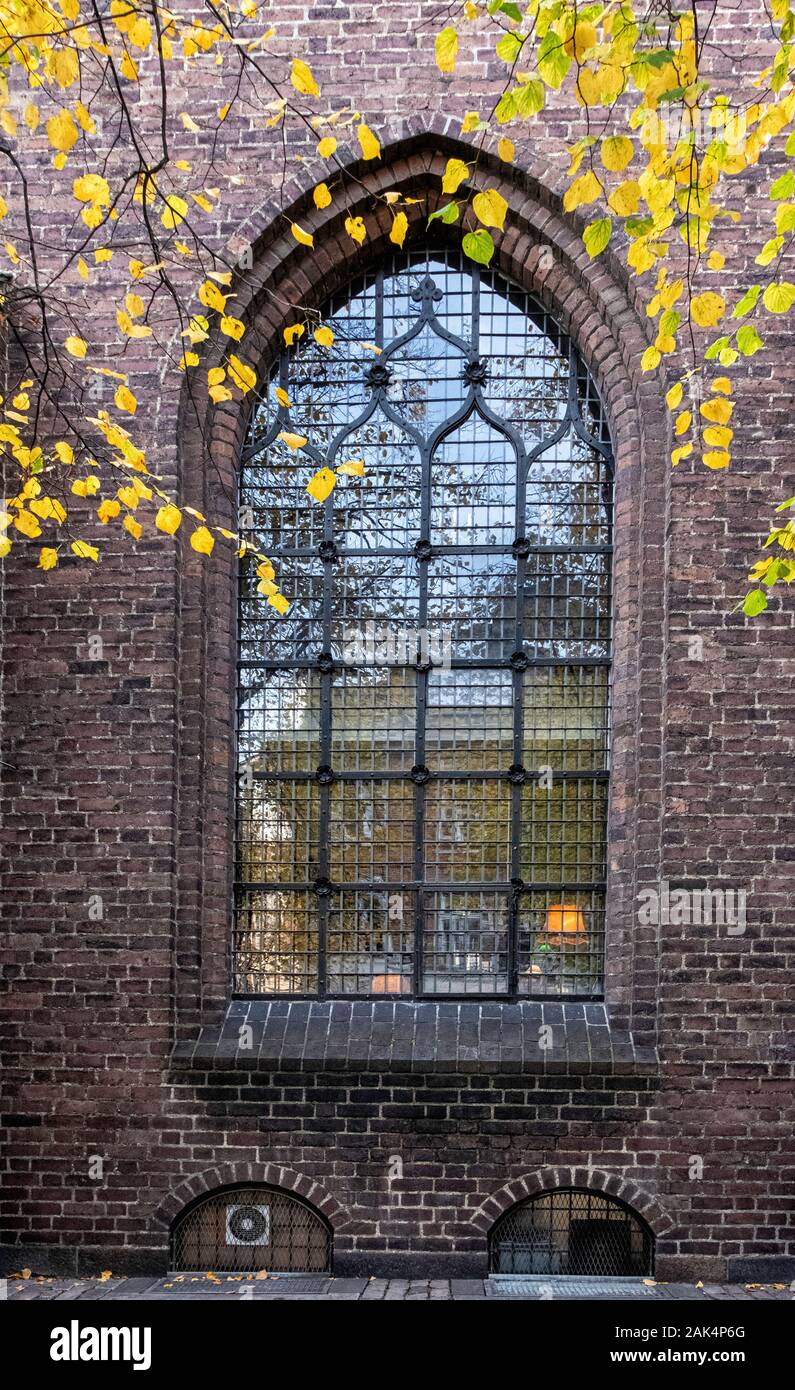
(321, 485)
(585, 189)
(616, 152)
(168, 518)
(84, 551)
(368, 143)
(323, 336)
(91, 188)
(355, 228)
(27, 524)
(683, 452)
(291, 334)
(719, 436)
(62, 131)
(446, 48)
(202, 540)
(305, 238)
(682, 422)
(321, 195)
(327, 146)
(708, 309)
(717, 411)
(211, 297)
(400, 226)
(506, 150)
(490, 208)
(650, 359)
(673, 396)
(293, 441)
(303, 80)
(352, 468)
(125, 400)
(107, 510)
(717, 459)
(232, 327)
(243, 376)
(48, 558)
(134, 527)
(189, 123)
(64, 451)
(283, 398)
(280, 603)
(174, 211)
(722, 384)
(76, 347)
(455, 173)
(716, 260)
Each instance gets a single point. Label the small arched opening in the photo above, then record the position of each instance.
(257, 1227)
(574, 1232)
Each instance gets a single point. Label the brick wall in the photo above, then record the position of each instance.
(117, 775)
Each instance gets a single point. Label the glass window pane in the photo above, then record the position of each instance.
(465, 943)
(468, 831)
(276, 945)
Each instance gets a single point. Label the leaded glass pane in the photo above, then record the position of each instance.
(424, 737)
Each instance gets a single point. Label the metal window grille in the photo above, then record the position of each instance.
(573, 1233)
(251, 1228)
(423, 738)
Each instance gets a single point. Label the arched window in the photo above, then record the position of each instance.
(571, 1232)
(423, 737)
(253, 1227)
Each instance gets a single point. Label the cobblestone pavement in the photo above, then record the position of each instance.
(178, 1288)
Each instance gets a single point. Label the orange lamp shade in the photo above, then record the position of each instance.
(564, 924)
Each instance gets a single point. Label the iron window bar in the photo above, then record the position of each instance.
(308, 966)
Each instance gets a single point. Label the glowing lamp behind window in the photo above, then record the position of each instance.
(565, 926)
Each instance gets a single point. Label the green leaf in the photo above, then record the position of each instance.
(478, 246)
(715, 349)
(529, 98)
(782, 506)
(755, 602)
(784, 187)
(748, 340)
(597, 235)
(747, 303)
(509, 48)
(785, 217)
(448, 214)
(789, 148)
(553, 60)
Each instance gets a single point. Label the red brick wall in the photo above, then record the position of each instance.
(116, 781)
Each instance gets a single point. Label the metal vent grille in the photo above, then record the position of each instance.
(251, 1228)
(571, 1233)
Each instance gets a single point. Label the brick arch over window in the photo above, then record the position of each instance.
(583, 1179)
(232, 1175)
(541, 249)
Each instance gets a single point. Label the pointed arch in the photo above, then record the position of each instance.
(542, 251)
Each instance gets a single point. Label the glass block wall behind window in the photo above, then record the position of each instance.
(423, 738)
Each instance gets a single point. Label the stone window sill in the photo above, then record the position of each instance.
(419, 1036)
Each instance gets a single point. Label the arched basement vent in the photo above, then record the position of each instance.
(251, 1228)
(571, 1232)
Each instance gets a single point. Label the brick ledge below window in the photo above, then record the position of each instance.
(418, 1036)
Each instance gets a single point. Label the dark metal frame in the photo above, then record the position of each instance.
(427, 295)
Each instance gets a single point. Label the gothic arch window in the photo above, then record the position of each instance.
(423, 737)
